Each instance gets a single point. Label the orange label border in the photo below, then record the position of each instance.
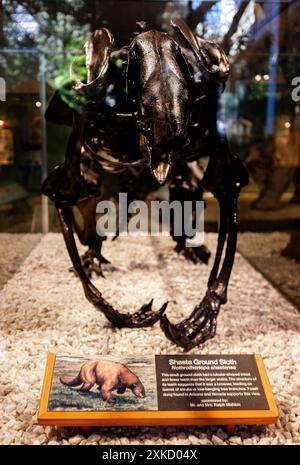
(155, 418)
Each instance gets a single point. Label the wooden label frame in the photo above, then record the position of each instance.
(155, 417)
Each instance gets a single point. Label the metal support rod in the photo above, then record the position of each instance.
(44, 165)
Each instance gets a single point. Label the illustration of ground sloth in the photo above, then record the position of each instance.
(109, 376)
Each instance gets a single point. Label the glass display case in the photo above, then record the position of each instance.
(260, 104)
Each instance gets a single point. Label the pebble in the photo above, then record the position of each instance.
(221, 434)
(248, 441)
(193, 439)
(94, 437)
(289, 426)
(76, 440)
(265, 441)
(217, 441)
(38, 430)
(42, 438)
(124, 441)
(235, 440)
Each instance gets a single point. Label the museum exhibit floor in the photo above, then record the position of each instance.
(43, 309)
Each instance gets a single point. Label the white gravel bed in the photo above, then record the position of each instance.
(14, 248)
(264, 251)
(43, 310)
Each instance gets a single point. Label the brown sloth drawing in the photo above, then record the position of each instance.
(109, 376)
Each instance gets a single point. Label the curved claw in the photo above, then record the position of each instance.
(89, 263)
(195, 330)
(143, 318)
(175, 335)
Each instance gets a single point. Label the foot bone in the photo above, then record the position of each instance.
(198, 327)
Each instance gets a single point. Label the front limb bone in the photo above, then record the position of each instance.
(142, 318)
(201, 324)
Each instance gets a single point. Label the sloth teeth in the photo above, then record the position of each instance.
(161, 172)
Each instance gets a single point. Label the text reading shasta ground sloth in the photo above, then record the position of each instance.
(108, 376)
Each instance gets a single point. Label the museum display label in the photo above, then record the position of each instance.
(156, 390)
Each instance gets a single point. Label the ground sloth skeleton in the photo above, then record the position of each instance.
(149, 108)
